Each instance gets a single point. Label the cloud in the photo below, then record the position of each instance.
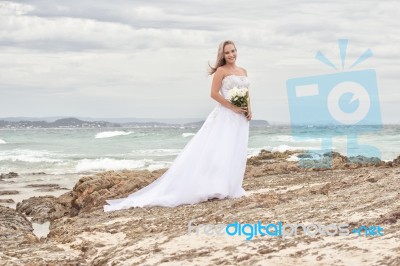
(118, 51)
(11, 8)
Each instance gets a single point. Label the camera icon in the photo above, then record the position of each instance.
(326, 106)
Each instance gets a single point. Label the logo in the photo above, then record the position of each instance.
(337, 104)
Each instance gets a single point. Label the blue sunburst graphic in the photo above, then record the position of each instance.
(343, 49)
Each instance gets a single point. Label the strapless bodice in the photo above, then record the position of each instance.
(231, 81)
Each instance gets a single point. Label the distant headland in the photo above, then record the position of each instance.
(71, 122)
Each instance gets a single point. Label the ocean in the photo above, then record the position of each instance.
(63, 155)
(84, 151)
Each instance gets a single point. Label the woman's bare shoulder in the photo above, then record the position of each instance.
(221, 68)
(221, 71)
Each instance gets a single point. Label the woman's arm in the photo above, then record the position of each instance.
(249, 113)
(216, 85)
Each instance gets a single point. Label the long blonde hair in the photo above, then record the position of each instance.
(220, 57)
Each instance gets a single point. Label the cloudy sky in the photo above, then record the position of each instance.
(148, 59)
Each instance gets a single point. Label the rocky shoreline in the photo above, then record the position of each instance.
(356, 191)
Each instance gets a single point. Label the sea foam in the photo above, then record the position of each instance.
(283, 148)
(30, 156)
(110, 134)
(87, 165)
(185, 135)
(156, 152)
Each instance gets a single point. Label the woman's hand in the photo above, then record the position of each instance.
(239, 110)
(249, 115)
(243, 110)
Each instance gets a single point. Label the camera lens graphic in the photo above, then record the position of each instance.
(348, 110)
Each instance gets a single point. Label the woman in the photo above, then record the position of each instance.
(213, 162)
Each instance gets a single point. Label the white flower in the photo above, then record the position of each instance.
(244, 92)
(235, 93)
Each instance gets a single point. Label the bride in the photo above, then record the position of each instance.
(213, 162)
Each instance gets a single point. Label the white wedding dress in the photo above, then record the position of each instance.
(211, 165)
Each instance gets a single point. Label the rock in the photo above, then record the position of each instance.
(293, 168)
(278, 189)
(46, 208)
(6, 201)
(396, 161)
(364, 160)
(339, 160)
(63, 206)
(50, 189)
(9, 192)
(9, 175)
(39, 173)
(15, 229)
(267, 157)
(43, 185)
(46, 187)
(304, 155)
(390, 218)
(91, 192)
(334, 160)
(38, 208)
(331, 154)
(315, 164)
(325, 189)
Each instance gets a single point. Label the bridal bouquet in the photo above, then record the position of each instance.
(238, 97)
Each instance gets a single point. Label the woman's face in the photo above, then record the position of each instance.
(230, 53)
